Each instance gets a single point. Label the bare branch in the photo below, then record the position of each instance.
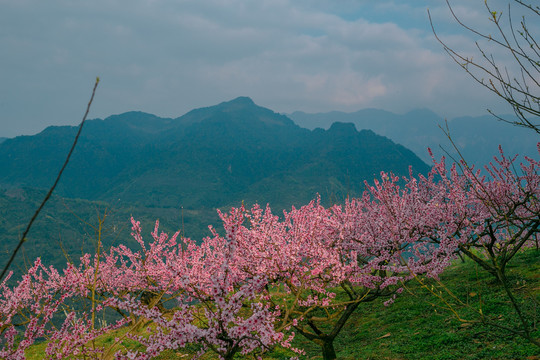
(25, 233)
(522, 90)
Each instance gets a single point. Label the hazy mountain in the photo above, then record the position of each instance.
(477, 137)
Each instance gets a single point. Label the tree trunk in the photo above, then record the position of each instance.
(328, 349)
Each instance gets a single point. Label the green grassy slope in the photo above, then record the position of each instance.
(417, 326)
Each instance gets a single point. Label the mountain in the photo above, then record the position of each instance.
(476, 137)
(179, 171)
(2, 139)
(209, 157)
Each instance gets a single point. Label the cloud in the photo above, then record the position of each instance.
(169, 56)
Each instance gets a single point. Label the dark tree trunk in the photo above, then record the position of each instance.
(328, 349)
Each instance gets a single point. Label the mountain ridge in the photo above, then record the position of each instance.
(477, 138)
(227, 148)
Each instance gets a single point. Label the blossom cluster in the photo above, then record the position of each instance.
(247, 290)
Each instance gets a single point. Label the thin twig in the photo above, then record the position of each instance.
(23, 237)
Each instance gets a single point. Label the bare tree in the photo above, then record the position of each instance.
(519, 86)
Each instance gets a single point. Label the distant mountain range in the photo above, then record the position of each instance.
(210, 157)
(476, 137)
(151, 167)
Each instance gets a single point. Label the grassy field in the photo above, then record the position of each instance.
(418, 326)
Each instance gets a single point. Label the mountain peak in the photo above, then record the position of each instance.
(241, 110)
(423, 113)
(343, 128)
(241, 100)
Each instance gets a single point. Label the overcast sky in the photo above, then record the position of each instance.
(167, 57)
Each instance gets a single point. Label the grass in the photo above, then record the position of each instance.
(417, 326)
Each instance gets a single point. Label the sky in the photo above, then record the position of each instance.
(167, 57)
